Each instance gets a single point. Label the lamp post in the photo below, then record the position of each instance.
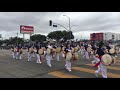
(69, 26)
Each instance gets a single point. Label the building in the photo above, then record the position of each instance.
(104, 36)
(97, 36)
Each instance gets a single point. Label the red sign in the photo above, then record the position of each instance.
(26, 29)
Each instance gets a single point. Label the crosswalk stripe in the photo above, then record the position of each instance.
(111, 75)
(62, 75)
(109, 67)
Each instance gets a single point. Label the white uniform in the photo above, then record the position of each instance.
(37, 55)
(101, 69)
(68, 63)
(18, 55)
(49, 57)
(58, 56)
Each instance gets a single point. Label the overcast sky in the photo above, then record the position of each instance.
(86, 22)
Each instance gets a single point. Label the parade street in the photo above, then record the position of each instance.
(11, 68)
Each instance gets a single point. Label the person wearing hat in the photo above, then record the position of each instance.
(18, 52)
(58, 50)
(37, 47)
(68, 60)
(101, 67)
(30, 52)
(13, 51)
(49, 55)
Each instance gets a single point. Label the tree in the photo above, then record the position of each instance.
(67, 35)
(38, 37)
(57, 35)
(1, 42)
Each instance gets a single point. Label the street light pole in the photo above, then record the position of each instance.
(69, 26)
(17, 38)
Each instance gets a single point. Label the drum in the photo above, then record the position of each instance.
(68, 56)
(41, 51)
(15, 50)
(48, 51)
(58, 49)
(89, 49)
(44, 49)
(31, 50)
(76, 49)
(112, 51)
(73, 50)
(113, 60)
(106, 59)
(76, 56)
(20, 51)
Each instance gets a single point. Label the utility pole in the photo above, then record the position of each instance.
(17, 38)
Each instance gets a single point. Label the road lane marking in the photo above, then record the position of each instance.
(111, 75)
(62, 75)
(109, 67)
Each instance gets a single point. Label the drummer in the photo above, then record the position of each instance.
(37, 47)
(68, 62)
(13, 51)
(30, 52)
(101, 67)
(18, 53)
(48, 55)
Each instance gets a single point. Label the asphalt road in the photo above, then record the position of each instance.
(11, 68)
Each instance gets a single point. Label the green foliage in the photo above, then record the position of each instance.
(38, 37)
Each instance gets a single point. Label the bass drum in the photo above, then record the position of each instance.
(48, 51)
(20, 51)
(106, 59)
(76, 49)
(31, 50)
(69, 56)
(89, 49)
(113, 60)
(41, 51)
(58, 49)
(76, 56)
(112, 51)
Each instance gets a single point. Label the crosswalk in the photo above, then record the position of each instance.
(87, 70)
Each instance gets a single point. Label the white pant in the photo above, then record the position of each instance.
(58, 55)
(30, 55)
(33, 54)
(68, 65)
(38, 58)
(49, 58)
(86, 55)
(13, 54)
(102, 69)
(18, 56)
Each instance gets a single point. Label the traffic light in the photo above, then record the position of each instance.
(50, 22)
(54, 25)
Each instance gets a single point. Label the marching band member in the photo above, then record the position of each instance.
(13, 51)
(49, 55)
(58, 50)
(102, 68)
(19, 52)
(37, 47)
(33, 54)
(53, 52)
(68, 58)
(30, 52)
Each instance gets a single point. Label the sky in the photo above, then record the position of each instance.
(82, 23)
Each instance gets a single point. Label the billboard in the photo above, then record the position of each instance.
(26, 29)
